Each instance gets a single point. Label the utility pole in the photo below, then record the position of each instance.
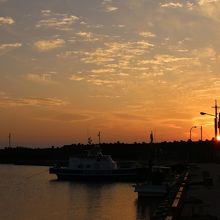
(201, 132)
(219, 123)
(216, 119)
(151, 137)
(9, 140)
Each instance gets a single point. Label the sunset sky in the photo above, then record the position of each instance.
(72, 68)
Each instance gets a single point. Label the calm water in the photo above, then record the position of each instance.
(29, 192)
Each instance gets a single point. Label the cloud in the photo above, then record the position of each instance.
(127, 116)
(122, 52)
(114, 63)
(190, 5)
(40, 78)
(76, 78)
(4, 48)
(87, 36)
(30, 101)
(174, 123)
(42, 101)
(204, 2)
(69, 117)
(67, 54)
(45, 45)
(144, 44)
(207, 53)
(110, 8)
(164, 58)
(147, 34)
(122, 74)
(100, 71)
(118, 25)
(105, 96)
(171, 5)
(8, 46)
(104, 82)
(210, 8)
(96, 79)
(6, 20)
(46, 12)
(63, 116)
(186, 5)
(56, 20)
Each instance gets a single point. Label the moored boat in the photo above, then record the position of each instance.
(93, 165)
(159, 184)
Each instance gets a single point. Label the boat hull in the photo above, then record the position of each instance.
(132, 174)
(148, 190)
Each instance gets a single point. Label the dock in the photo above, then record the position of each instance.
(196, 197)
(203, 193)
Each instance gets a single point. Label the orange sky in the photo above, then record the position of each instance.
(72, 68)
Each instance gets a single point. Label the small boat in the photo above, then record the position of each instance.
(93, 165)
(151, 190)
(160, 183)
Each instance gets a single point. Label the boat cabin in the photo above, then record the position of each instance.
(92, 162)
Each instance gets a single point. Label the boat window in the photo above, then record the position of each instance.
(80, 166)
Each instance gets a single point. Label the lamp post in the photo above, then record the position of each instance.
(99, 135)
(190, 132)
(9, 140)
(201, 132)
(215, 121)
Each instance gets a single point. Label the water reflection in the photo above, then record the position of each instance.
(90, 200)
(40, 196)
(146, 207)
(102, 200)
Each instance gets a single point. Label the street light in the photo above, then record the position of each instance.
(190, 132)
(204, 113)
(201, 132)
(215, 122)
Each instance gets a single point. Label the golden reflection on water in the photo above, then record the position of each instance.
(29, 192)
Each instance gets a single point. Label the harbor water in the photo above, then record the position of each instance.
(30, 192)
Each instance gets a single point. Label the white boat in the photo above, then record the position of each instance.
(161, 181)
(93, 165)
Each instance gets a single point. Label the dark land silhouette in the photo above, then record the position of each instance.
(164, 152)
